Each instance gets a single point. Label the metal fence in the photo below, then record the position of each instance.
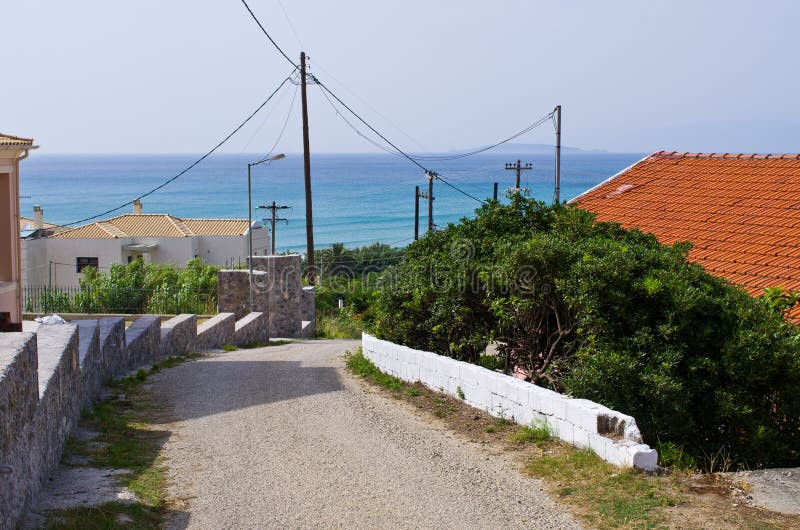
(74, 299)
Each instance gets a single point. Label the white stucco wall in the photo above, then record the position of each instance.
(215, 250)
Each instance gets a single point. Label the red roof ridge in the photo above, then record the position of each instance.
(756, 156)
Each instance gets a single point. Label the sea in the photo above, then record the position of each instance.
(358, 199)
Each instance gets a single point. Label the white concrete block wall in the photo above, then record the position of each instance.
(613, 436)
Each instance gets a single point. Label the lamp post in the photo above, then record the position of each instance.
(268, 160)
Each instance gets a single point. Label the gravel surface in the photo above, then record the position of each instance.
(282, 437)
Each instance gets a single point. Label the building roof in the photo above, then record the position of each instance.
(11, 140)
(26, 223)
(741, 212)
(156, 225)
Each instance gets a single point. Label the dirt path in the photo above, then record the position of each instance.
(281, 437)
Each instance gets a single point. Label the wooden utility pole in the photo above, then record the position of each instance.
(311, 270)
(431, 176)
(557, 195)
(494, 193)
(416, 213)
(519, 167)
(274, 217)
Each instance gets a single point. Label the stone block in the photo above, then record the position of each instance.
(233, 292)
(19, 397)
(90, 357)
(141, 342)
(216, 332)
(112, 346)
(253, 328)
(177, 336)
(308, 304)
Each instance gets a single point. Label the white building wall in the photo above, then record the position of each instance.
(63, 253)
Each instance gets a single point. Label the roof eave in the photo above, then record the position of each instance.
(612, 177)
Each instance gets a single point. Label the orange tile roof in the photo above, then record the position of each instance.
(155, 225)
(741, 211)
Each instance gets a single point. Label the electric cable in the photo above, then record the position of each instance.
(296, 66)
(190, 166)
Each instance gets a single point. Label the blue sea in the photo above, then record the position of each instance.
(357, 199)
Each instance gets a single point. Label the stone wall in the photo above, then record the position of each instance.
(178, 335)
(254, 328)
(112, 346)
(233, 292)
(308, 312)
(612, 435)
(46, 377)
(282, 286)
(19, 396)
(90, 357)
(141, 341)
(216, 332)
(60, 398)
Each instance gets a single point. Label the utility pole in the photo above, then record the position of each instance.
(431, 177)
(519, 167)
(494, 193)
(274, 208)
(416, 213)
(311, 270)
(557, 195)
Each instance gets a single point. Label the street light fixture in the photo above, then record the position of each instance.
(268, 161)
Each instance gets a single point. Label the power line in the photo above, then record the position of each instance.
(283, 129)
(399, 151)
(190, 166)
(524, 131)
(296, 66)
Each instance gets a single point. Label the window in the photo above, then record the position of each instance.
(82, 263)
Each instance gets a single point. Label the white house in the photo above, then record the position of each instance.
(155, 238)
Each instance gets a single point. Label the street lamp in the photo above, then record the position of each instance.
(268, 160)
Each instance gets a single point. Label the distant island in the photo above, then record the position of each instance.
(538, 149)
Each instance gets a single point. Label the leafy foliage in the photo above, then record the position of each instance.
(610, 315)
(139, 288)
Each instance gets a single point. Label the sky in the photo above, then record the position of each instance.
(93, 76)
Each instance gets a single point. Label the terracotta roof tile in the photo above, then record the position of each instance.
(156, 225)
(741, 211)
(9, 139)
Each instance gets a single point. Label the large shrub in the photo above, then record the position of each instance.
(607, 314)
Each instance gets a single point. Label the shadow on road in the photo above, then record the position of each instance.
(208, 387)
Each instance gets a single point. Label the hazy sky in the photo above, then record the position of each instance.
(175, 76)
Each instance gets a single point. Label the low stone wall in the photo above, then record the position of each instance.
(251, 329)
(177, 336)
(112, 347)
(90, 358)
(216, 332)
(612, 435)
(19, 396)
(141, 342)
(60, 397)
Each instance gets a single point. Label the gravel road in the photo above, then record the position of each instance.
(282, 437)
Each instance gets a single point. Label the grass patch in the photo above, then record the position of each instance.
(126, 440)
(229, 347)
(338, 326)
(254, 345)
(538, 432)
(363, 367)
(607, 496)
(108, 516)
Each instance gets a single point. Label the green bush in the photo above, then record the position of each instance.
(607, 314)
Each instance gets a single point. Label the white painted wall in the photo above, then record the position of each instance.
(215, 250)
(576, 421)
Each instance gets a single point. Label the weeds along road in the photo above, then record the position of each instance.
(282, 437)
